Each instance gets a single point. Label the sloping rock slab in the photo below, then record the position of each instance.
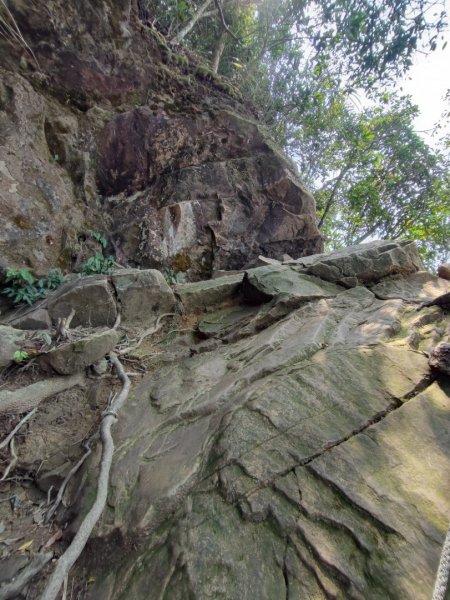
(10, 341)
(221, 323)
(75, 356)
(91, 298)
(205, 294)
(143, 295)
(264, 283)
(367, 263)
(374, 496)
(418, 287)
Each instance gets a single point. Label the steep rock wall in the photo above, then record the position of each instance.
(105, 127)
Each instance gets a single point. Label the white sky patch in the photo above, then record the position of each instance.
(427, 82)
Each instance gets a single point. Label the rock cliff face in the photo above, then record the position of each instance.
(104, 127)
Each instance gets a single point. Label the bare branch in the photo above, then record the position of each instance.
(191, 24)
(224, 23)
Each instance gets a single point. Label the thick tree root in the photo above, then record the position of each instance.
(72, 553)
(29, 397)
(13, 588)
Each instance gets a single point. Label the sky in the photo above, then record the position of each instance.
(428, 80)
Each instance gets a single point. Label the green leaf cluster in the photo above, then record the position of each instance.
(98, 264)
(20, 356)
(24, 287)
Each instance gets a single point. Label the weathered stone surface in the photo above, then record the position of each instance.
(444, 271)
(368, 263)
(142, 295)
(224, 322)
(215, 205)
(125, 125)
(11, 340)
(264, 283)
(36, 319)
(417, 287)
(92, 299)
(73, 357)
(205, 294)
(244, 437)
(440, 358)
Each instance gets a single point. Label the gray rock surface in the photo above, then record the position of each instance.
(142, 295)
(420, 287)
(91, 297)
(306, 457)
(440, 358)
(75, 356)
(205, 294)
(367, 263)
(11, 341)
(35, 319)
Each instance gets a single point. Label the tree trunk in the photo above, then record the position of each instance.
(220, 47)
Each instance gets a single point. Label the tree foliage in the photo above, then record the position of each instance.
(301, 61)
(386, 182)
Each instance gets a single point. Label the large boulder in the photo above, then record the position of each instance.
(92, 299)
(365, 263)
(142, 295)
(114, 131)
(419, 287)
(74, 357)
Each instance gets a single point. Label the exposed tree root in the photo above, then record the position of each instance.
(51, 511)
(146, 333)
(72, 553)
(63, 325)
(13, 588)
(13, 461)
(10, 436)
(29, 397)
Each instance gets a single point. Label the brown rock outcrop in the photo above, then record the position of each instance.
(109, 129)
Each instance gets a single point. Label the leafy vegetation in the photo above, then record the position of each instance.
(98, 237)
(98, 264)
(24, 287)
(20, 356)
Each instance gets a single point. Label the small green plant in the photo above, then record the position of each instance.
(20, 356)
(170, 276)
(98, 264)
(98, 237)
(24, 287)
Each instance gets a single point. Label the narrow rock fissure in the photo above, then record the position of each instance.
(352, 503)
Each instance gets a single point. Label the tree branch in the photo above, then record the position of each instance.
(191, 24)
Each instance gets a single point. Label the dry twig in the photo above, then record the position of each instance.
(16, 428)
(63, 325)
(12, 462)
